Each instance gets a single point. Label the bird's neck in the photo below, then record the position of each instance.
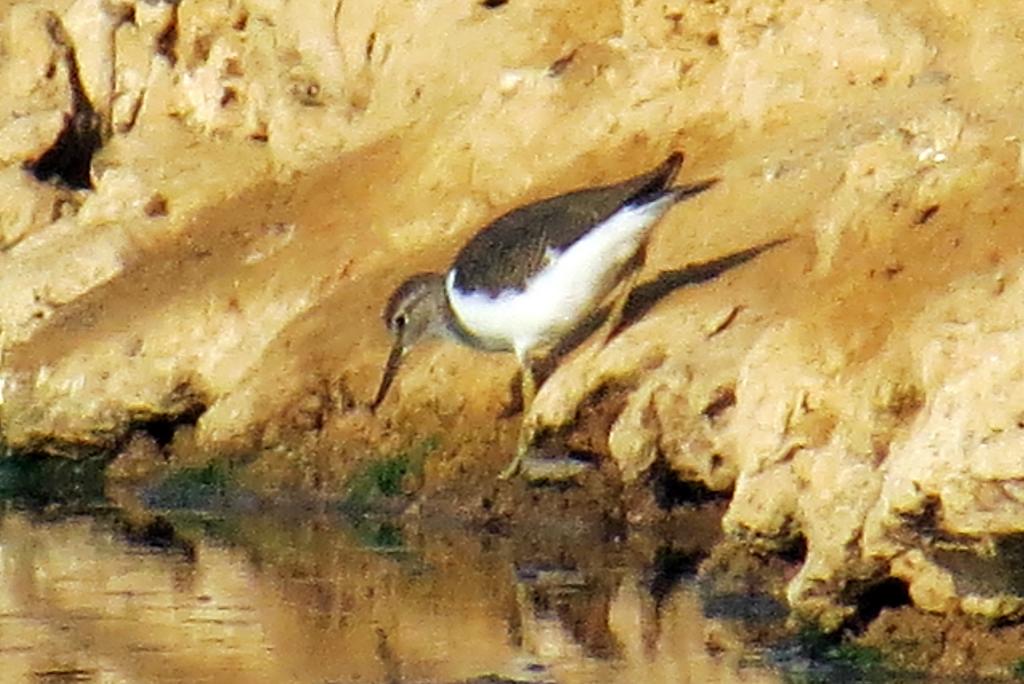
(443, 323)
(454, 330)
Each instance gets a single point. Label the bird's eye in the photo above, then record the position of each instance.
(400, 321)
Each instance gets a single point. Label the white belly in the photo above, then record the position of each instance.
(561, 295)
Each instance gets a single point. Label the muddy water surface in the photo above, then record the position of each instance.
(317, 598)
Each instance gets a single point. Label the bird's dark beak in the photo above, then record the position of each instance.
(390, 371)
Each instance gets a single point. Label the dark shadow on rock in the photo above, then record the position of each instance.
(185, 406)
(670, 490)
(644, 297)
(872, 599)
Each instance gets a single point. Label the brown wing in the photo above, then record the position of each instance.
(507, 252)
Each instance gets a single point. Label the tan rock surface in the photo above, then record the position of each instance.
(270, 170)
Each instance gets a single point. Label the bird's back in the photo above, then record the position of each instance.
(507, 252)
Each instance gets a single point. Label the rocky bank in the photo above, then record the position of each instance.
(203, 207)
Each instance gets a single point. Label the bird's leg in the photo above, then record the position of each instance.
(627, 279)
(625, 287)
(515, 396)
(528, 391)
(528, 384)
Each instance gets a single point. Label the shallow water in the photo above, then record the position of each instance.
(313, 598)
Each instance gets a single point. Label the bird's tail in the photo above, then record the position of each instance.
(654, 186)
(667, 170)
(682, 192)
(658, 179)
(670, 196)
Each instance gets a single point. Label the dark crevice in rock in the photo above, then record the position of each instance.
(794, 551)
(559, 66)
(162, 427)
(69, 160)
(926, 521)
(167, 41)
(670, 490)
(888, 593)
(1009, 559)
(240, 23)
(723, 399)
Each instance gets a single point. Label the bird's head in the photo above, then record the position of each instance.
(416, 310)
